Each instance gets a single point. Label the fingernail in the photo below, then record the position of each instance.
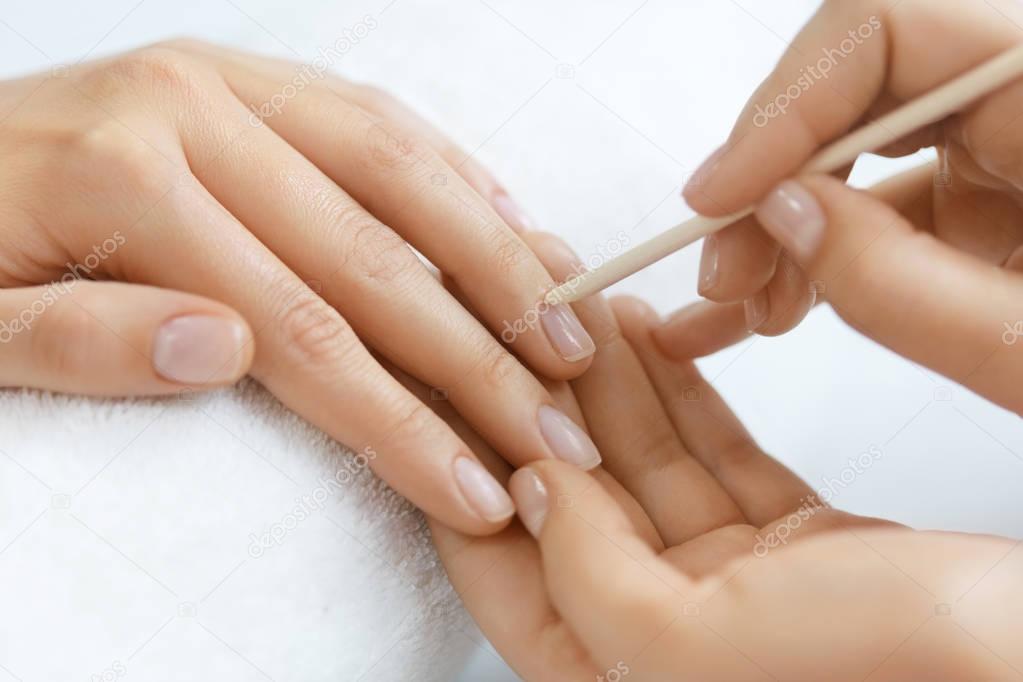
(758, 309)
(484, 494)
(530, 495)
(709, 265)
(199, 349)
(566, 332)
(793, 216)
(511, 213)
(566, 440)
(706, 170)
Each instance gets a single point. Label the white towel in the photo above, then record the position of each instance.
(220, 537)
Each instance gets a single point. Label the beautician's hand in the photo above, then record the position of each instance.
(932, 265)
(284, 202)
(692, 555)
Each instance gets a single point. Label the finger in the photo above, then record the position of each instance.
(499, 578)
(386, 106)
(634, 435)
(847, 56)
(763, 488)
(783, 303)
(407, 186)
(852, 62)
(383, 290)
(308, 355)
(588, 545)
(905, 289)
(118, 339)
(750, 256)
(701, 328)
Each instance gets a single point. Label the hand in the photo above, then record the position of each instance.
(692, 555)
(284, 203)
(929, 263)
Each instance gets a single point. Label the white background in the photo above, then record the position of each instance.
(652, 87)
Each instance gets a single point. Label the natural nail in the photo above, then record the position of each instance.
(530, 495)
(566, 332)
(758, 309)
(199, 349)
(793, 216)
(484, 494)
(511, 212)
(709, 265)
(704, 173)
(566, 440)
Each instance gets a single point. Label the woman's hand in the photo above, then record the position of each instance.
(929, 264)
(284, 202)
(692, 555)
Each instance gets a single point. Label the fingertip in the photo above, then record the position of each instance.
(202, 348)
(700, 329)
(483, 495)
(634, 312)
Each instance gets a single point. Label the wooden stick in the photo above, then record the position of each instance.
(928, 109)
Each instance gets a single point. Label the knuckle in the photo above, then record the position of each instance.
(314, 332)
(155, 69)
(416, 420)
(509, 255)
(122, 156)
(64, 340)
(390, 149)
(496, 367)
(373, 252)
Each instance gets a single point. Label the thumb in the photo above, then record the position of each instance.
(608, 584)
(903, 287)
(109, 338)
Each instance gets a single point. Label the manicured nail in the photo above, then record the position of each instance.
(794, 217)
(530, 495)
(706, 170)
(566, 440)
(199, 349)
(758, 309)
(511, 213)
(566, 332)
(484, 494)
(709, 265)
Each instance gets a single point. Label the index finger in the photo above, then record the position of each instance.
(853, 59)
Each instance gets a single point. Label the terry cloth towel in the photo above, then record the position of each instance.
(212, 537)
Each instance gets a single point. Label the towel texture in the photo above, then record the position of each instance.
(213, 537)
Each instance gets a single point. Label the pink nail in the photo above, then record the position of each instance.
(566, 440)
(705, 172)
(792, 215)
(566, 333)
(758, 309)
(531, 499)
(511, 213)
(482, 491)
(199, 349)
(709, 265)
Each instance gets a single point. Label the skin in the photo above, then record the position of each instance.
(660, 565)
(295, 226)
(938, 248)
